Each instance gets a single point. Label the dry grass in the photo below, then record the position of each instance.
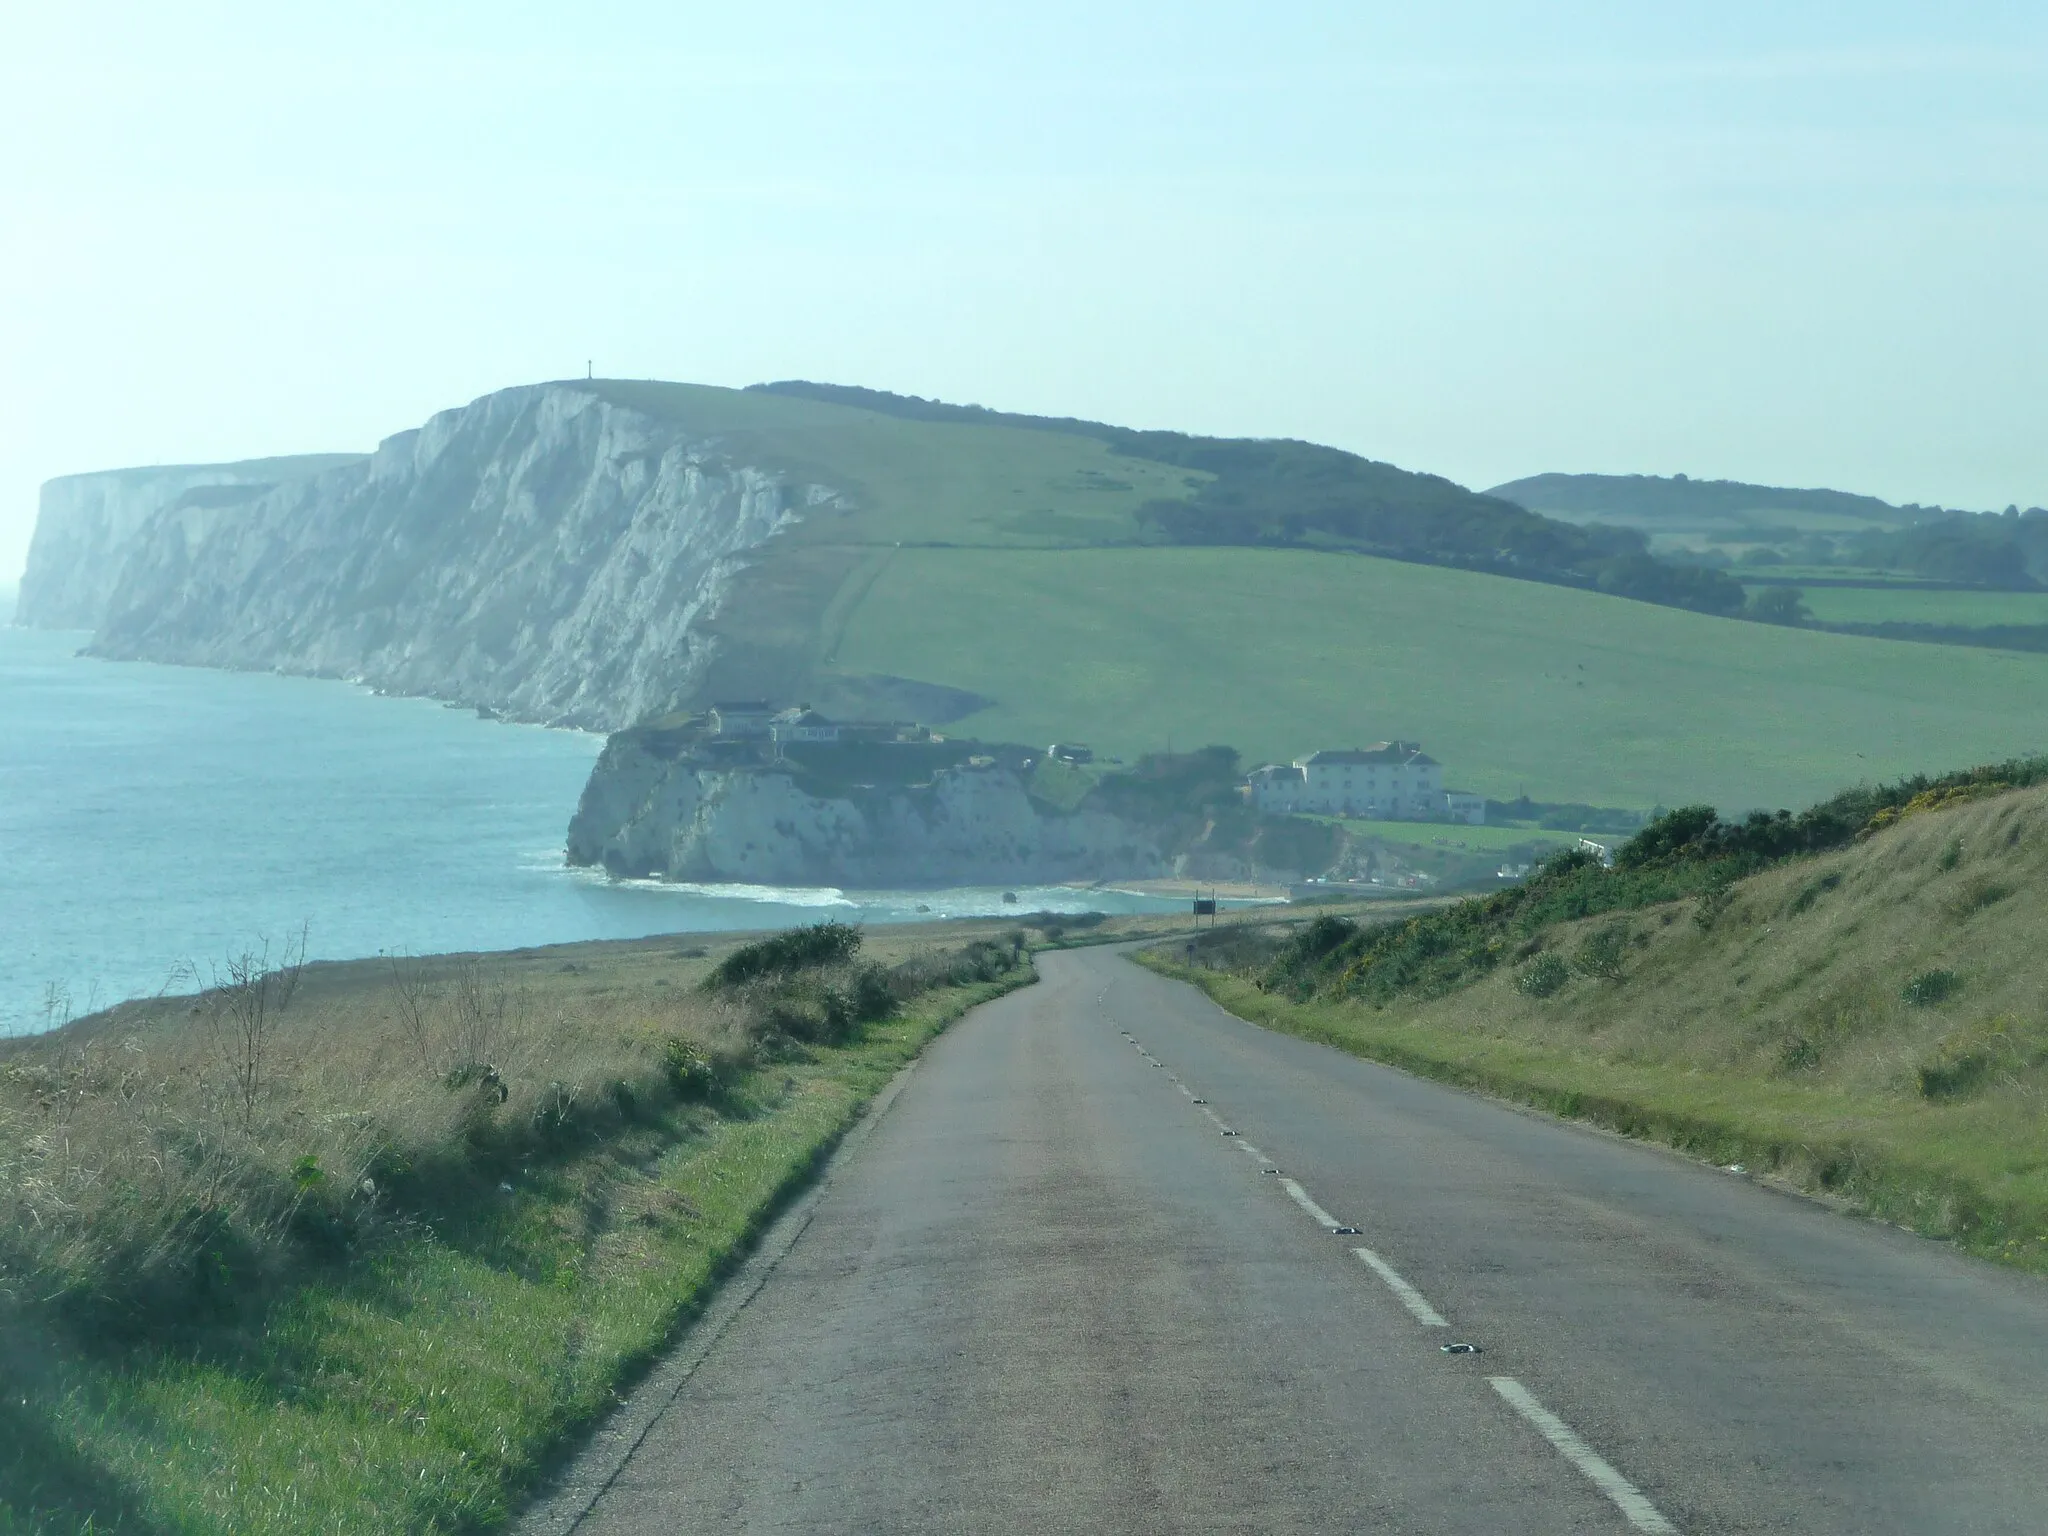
(134, 1144)
(1872, 1022)
(374, 1284)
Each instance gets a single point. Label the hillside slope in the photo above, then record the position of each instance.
(1868, 1021)
(1512, 685)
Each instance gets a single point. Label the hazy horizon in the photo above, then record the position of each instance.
(1723, 241)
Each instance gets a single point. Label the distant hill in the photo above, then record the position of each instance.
(1645, 500)
(1830, 535)
(1280, 493)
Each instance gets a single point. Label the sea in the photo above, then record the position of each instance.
(156, 822)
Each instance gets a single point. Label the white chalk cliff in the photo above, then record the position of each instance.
(86, 525)
(542, 552)
(645, 814)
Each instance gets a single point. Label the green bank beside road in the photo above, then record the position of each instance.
(1862, 1021)
(391, 1288)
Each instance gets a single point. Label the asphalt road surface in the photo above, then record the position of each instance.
(1082, 1276)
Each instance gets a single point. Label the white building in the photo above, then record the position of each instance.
(1463, 805)
(1391, 781)
(741, 719)
(802, 724)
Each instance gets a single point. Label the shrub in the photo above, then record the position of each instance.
(1601, 953)
(1930, 987)
(692, 1077)
(873, 998)
(1712, 904)
(1546, 976)
(786, 954)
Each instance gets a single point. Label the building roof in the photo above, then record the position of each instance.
(1397, 754)
(744, 707)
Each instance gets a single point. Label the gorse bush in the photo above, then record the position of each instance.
(1689, 852)
(800, 949)
(1545, 976)
(1930, 987)
(1603, 952)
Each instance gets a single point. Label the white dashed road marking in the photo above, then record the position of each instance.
(1635, 1508)
(1411, 1298)
(1639, 1511)
(1301, 1198)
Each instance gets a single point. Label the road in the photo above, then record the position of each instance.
(1055, 1290)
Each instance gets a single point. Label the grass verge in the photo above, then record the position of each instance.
(424, 1381)
(1937, 1169)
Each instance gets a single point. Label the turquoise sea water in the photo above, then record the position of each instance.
(156, 820)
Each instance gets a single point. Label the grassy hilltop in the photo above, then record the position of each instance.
(1068, 580)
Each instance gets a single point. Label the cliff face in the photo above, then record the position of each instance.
(643, 814)
(86, 525)
(541, 551)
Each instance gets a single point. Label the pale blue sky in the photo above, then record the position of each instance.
(1794, 243)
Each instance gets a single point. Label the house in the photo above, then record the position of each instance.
(1277, 789)
(1390, 781)
(1069, 752)
(802, 724)
(742, 719)
(1463, 805)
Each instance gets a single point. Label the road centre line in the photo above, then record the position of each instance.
(1410, 1297)
(1634, 1506)
(1301, 1198)
(1639, 1511)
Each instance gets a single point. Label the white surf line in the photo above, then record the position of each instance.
(1301, 1198)
(1410, 1297)
(1628, 1498)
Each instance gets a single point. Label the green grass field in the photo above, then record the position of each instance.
(1515, 686)
(1874, 605)
(927, 482)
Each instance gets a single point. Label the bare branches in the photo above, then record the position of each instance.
(248, 996)
(478, 1027)
(409, 989)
